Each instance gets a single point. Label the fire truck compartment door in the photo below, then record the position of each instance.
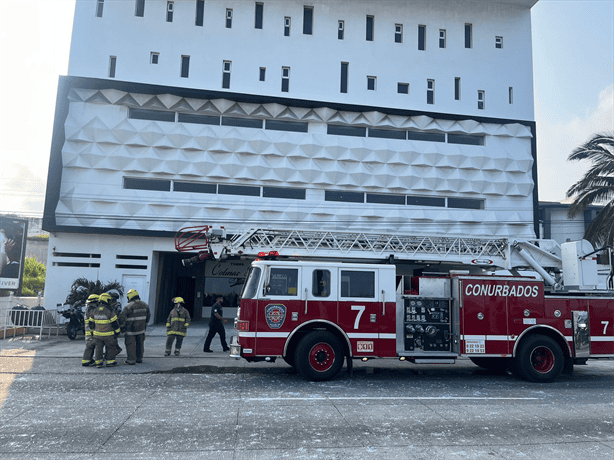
(581, 334)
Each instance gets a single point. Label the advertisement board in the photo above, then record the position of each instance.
(13, 233)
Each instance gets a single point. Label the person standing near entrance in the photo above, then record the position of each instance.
(133, 321)
(177, 325)
(216, 326)
(90, 345)
(106, 330)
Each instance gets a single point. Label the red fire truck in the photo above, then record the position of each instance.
(431, 302)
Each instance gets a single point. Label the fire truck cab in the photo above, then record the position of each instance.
(315, 314)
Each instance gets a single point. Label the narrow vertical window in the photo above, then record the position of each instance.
(499, 42)
(481, 99)
(99, 8)
(200, 12)
(185, 66)
(228, 18)
(112, 65)
(468, 36)
(344, 77)
(308, 20)
(262, 73)
(421, 38)
(341, 30)
(285, 79)
(287, 26)
(457, 89)
(371, 83)
(154, 57)
(430, 91)
(510, 93)
(169, 11)
(139, 8)
(398, 33)
(442, 38)
(226, 74)
(370, 20)
(258, 15)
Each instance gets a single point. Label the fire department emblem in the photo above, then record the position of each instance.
(275, 315)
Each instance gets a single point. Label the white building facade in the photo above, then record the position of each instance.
(391, 116)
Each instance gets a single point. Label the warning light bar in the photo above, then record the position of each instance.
(268, 255)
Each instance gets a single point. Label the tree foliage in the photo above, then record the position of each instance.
(596, 187)
(33, 277)
(82, 288)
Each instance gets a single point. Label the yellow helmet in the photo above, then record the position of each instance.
(132, 294)
(105, 298)
(93, 298)
(178, 300)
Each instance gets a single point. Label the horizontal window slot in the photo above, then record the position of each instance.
(288, 193)
(242, 122)
(157, 115)
(132, 267)
(347, 197)
(75, 264)
(466, 139)
(340, 130)
(193, 187)
(385, 199)
(123, 257)
(465, 203)
(426, 201)
(387, 133)
(238, 190)
(198, 119)
(428, 137)
(158, 185)
(76, 254)
(294, 126)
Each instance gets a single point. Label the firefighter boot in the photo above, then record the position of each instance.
(86, 363)
(177, 352)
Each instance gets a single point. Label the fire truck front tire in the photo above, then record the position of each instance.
(318, 356)
(539, 359)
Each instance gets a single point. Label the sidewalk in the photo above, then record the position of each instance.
(57, 351)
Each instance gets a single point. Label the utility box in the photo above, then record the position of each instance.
(579, 272)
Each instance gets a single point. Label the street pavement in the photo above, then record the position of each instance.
(210, 406)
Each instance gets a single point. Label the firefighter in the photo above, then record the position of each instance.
(177, 325)
(106, 330)
(216, 326)
(88, 354)
(133, 321)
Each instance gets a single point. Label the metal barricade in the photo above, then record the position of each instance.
(19, 319)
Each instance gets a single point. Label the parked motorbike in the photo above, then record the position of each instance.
(76, 319)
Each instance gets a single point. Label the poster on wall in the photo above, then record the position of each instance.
(13, 233)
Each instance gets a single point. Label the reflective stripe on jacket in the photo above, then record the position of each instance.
(178, 321)
(134, 318)
(105, 321)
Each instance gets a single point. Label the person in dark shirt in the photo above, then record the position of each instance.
(216, 326)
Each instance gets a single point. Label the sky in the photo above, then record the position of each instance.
(573, 64)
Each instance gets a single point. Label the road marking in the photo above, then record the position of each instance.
(393, 398)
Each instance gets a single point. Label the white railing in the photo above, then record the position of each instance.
(17, 318)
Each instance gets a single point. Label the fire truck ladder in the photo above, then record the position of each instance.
(484, 252)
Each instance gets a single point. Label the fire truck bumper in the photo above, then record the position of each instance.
(235, 348)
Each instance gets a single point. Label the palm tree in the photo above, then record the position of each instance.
(596, 187)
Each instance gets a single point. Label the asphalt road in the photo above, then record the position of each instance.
(52, 408)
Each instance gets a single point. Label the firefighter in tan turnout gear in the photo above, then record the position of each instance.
(176, 326)
(106, 329)
(133, 321)
(88, 354)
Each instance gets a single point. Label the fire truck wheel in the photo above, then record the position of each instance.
(318, 356)
(492, 364)
(539, 359)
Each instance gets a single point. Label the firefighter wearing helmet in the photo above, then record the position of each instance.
(106, 329)
(90, 307)
(177, 325)
(133, 321)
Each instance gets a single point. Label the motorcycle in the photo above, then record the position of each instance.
(76, 319)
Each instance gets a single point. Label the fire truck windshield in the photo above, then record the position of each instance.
(251, 283)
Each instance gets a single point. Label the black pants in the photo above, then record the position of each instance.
(216, 328)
